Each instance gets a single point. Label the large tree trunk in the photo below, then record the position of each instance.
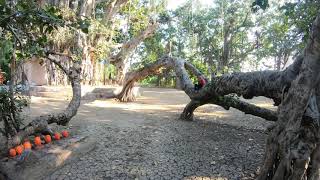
(126, 93)
(293, 141)
(94, 67)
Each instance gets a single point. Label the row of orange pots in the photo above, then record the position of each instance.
(18, 150)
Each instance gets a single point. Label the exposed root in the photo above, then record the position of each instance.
(187, 113)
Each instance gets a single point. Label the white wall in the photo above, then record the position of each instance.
(36, 73)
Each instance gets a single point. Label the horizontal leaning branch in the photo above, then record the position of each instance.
(208, 95)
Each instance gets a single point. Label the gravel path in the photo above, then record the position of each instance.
(144, 139)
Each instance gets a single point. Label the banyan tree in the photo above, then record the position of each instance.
(292, 149)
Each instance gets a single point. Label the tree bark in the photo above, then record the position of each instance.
(126, 94)
(226, 102)
(112, 7)
(120, 59)
(294, 139)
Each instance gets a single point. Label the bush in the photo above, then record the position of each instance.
(10, 111)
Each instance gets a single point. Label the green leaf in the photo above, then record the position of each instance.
(84, 26)
(19, 55)
(49, 29)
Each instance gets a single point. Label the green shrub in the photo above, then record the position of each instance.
(10, 111)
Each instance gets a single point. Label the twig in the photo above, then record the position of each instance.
(15, 34)
(59, 54)
(58, 63)
(8, 17)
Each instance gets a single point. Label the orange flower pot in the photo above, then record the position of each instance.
(37, 141)
(65, 133)
(57, 136)
(12, 152)
(19, 149)
(27, 145)
(47, 139)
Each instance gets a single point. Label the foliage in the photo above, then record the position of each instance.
(110, 71)
(10, 109)
(27, 25)
(300, 15)
(260, 4)
(226, 35)
(99, 34)
(150, 80)
(138, 14)
(5, 56)
(282, 30)
(201, 35)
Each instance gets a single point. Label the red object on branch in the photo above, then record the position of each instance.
(202, 81)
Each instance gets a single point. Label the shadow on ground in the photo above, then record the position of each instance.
(145, 140)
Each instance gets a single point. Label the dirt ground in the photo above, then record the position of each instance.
(145, 139)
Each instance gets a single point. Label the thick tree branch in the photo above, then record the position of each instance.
(180, 67)
(192, 69)
(112, 8)
(226, 102)
(58, 63)
(251, 84)
(120, 59)
(15, 35)
(128, 47)
(126, 93)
